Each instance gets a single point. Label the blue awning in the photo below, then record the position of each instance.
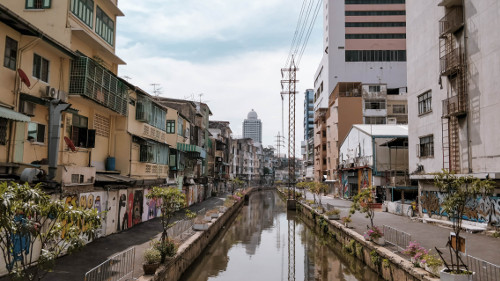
(12, 115)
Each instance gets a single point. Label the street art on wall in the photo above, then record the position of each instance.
(364, 176)
(138, 207)
(345, 185)
(482, 209)
(122, 211)
(130, 208)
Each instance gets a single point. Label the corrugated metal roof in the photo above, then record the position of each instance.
(12, 115)
(383, 130)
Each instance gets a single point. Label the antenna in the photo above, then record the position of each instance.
(156, 89)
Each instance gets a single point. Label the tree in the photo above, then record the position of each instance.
(35, 230)
(457, 191)
(362, 202)
(237, 182)
(171, 200)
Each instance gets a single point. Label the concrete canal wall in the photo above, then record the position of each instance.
(387, 264)
(192, 247)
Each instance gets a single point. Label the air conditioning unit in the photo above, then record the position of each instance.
(27, 108)
(50, 92)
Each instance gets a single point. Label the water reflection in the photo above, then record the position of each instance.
(255, 247)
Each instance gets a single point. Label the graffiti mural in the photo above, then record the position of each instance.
(345, 185)
(130, 208)
(138, 207)
(482, 209)
(122, 211)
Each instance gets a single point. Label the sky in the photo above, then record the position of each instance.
(227, 53)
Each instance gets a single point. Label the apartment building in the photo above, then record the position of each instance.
(221, 133)
(252, 127)
(453, 55)
(308, 144)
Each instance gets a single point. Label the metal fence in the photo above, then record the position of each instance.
(484, 271)
(118, 267)
(398, 238)
(182, 229)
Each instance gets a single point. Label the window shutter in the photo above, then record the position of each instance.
(46, 4)
(90, 138)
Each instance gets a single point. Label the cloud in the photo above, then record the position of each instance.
(233, 80)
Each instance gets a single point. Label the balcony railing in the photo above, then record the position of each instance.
(456, 105)
(90, 79)
(452, 21)
(450, 62)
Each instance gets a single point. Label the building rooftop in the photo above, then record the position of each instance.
(383, 130)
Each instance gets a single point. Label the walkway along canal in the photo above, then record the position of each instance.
(254, 246)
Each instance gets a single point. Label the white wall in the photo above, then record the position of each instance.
(355, 142)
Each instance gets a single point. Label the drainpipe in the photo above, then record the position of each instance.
(55, 109)
(469, 152)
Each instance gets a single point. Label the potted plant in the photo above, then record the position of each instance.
(432, 263)
(457, 192)
(333, 214)
(152, 258)
(376, 235)
(346, 221)
(416, 253)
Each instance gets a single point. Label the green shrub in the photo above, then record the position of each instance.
(152, 255)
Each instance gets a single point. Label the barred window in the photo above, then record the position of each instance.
(37, 4)
(376, 36)
(375, 55)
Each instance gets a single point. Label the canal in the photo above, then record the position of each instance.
(254, 246)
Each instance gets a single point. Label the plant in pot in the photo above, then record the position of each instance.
(152, 258)
(346, 221)
(416, 253)
(457, 192)
(432, 263)
(376, 235)
(333, 214)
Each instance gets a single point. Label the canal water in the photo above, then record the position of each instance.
(255, 247)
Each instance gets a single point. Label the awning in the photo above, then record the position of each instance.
(12, 115)
(114, 178)
(198, 151)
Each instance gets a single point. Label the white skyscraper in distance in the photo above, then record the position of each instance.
(252, 127)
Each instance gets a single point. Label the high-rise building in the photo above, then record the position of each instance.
(363, 41)
(363, 65)
(453, 59)
(308, 144)
(252, 127)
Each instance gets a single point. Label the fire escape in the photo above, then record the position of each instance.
(453, 68)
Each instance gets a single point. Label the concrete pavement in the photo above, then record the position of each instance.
(74, 266)
(429, 236)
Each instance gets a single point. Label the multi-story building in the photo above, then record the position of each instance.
(308, 144)
(363, 40)
(221, 133)
(453, 82)
(252, 127)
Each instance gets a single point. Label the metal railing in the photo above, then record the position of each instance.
(397, 238)
(484, 271)
(116, 268)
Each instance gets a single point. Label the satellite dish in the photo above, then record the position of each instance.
(70, 144)
(24, 77)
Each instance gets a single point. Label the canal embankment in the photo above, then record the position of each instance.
(191, 249)
(389, 265)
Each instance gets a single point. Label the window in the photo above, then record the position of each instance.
(37, 4)
(376, 36)
(375, 55)
(3, 131)
(180, 129)
(170, 126)
(104, 26)
(40, 68)
(425, 103)
(375, 24)
(10, 56)
(426, 146)
(36, 132)
(374, 104)
(80, 134)
(84, 10)
(375, 120)
(375, 13)
(399, 108)
(374, 89)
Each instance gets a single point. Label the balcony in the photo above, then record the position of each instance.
(452, 21)
(455, 106)
(451, 62)
(89, 79)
